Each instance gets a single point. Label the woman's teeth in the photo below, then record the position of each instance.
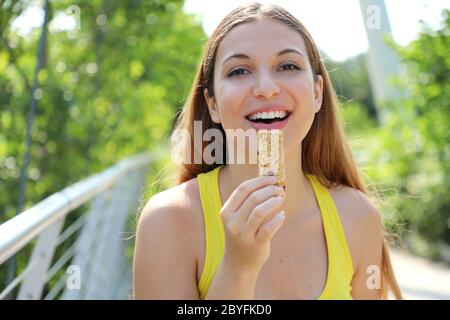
(268, 116)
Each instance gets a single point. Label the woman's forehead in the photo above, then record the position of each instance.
(264, 37)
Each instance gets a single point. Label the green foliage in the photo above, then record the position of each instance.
(351, 82)
(411, 151)
(109, 89)
(356, 119)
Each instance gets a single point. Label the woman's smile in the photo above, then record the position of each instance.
(269, 118)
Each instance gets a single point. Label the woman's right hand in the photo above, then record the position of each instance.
(251, 217)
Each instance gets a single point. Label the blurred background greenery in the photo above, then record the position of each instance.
(112, 86)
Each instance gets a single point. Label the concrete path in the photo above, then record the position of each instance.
(419, 278)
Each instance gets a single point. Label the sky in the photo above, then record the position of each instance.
(336, 26)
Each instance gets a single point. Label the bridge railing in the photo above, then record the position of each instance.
(93, 263)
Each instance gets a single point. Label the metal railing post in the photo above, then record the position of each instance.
(34, 282)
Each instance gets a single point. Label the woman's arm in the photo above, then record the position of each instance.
(164, 259)
(366, 281)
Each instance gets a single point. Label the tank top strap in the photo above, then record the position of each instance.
(208, 183)
(339, 257)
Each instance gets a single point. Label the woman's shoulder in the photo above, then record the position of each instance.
(168, 230)
(178, 198)
(354, 203)
(177, 209)
(359, 217)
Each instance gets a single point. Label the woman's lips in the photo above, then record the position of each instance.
(274, 125)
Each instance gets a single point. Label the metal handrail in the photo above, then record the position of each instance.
(18, 231)
(97, 249)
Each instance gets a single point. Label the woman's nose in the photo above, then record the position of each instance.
(266, 86)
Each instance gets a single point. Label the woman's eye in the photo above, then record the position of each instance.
(237, 72)
(290, 66)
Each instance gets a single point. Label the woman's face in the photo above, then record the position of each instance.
(264, 77)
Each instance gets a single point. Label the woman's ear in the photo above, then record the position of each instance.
(318, 93)
(212, 107)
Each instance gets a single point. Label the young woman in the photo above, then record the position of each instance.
(225, 233)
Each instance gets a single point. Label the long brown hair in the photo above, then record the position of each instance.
(325, 153)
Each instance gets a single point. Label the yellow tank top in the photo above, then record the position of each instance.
(340, 267)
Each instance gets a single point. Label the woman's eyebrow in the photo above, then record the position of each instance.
(236, 55)
(244, 56)
(290, 50)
